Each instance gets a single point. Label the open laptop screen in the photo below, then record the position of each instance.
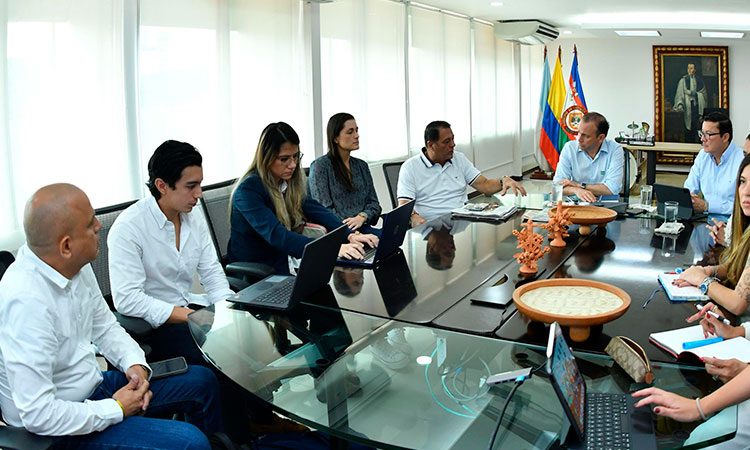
(566, 378)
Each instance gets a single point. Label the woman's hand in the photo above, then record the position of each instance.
(354, 223)
(717, 232)
(715, 327)
(691, 277)
(725, 369)
(668, 404)
(352, 251)
(364, 239)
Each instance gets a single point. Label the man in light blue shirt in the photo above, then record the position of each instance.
(592, 165)
(714, 171)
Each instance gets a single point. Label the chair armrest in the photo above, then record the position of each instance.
(249, 270)
(20, 438)
(135, 326)
(236, 284)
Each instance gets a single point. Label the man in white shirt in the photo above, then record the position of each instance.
(51, 312)
(155, 248)
(437, 177)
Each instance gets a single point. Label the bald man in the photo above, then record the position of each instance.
(51, 312)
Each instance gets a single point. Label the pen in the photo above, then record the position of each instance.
(701, 343)
(718, 317)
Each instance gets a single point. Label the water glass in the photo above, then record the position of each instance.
(670, 211)
(646, 192)
(556, 194)
(644, 227)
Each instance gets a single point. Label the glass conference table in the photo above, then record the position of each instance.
(324, 367)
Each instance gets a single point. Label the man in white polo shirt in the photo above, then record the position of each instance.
(437, 177)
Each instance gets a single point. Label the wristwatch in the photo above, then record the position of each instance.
(583, 185)
(706, 283)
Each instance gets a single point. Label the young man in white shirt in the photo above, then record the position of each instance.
(50, 382)
(437, 178)
(155, 248)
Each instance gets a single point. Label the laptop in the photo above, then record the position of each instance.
(599, 420)
(282, 292)
(395, 225)
(681, 195)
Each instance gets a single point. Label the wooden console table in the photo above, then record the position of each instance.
(671, 147)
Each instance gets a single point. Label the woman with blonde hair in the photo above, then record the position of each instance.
(270, 206)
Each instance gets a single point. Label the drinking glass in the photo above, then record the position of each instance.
(556, 192)
(670, 211)
(646, 192)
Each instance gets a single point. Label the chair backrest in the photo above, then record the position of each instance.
(215, 204)
(629, 173)
(391, 171)
(6, 259)
(106, 216)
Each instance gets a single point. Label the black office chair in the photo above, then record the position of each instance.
(138, 328)
(18, 437)
(391, 171)
(215, 204)
(625, 191)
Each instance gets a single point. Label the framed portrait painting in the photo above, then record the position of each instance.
(689, 82)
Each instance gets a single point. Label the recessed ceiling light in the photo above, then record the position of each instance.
(640, 33)
(567, 32)
(496, 4)
(722, 34)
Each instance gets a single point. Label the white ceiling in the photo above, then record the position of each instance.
(597, 18)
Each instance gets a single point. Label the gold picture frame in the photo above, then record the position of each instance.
(688, 80)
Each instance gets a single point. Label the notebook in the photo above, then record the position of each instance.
(680, 294)
(395, 225)
(599, 420)
(681, 195)
(671, 342)
(284, 291)
(493, 212)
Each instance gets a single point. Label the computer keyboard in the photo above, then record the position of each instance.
(607, 421)
(370, 254)
(280, 294)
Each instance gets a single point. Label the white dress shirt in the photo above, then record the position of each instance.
(48, 368)
(148, 275)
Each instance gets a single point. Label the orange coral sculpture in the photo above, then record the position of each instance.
(557, 223)
(531, 244)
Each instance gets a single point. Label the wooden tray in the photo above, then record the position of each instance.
(585, 216)
(579, 325)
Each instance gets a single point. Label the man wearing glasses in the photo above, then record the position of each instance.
(715, 168)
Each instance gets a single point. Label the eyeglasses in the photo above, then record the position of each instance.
(297, 157)
(703, 134)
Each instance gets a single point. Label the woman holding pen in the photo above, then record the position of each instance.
(728, 284)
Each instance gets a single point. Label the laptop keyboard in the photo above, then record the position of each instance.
(280, 294)
(607, 421)
(370, 254)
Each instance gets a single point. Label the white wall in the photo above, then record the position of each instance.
(618, 78)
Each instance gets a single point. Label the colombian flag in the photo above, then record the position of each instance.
(553, 138)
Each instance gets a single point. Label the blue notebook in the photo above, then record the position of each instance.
(680, 294)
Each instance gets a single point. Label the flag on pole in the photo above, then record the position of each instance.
(576, 90)
(538, 154)
(553, 138)
(575, 103)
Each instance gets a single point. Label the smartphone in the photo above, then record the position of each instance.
(635, 211)
(168, 367)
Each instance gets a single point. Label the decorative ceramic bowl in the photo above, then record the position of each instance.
(585, 216)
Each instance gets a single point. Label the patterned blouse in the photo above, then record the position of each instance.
(329, 192)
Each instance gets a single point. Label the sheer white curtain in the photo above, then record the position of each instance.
(63, 118)
(439, 75)
(532, 58)
(215, 73)
(363, 72)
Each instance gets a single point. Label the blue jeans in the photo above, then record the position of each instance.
(193, 393)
